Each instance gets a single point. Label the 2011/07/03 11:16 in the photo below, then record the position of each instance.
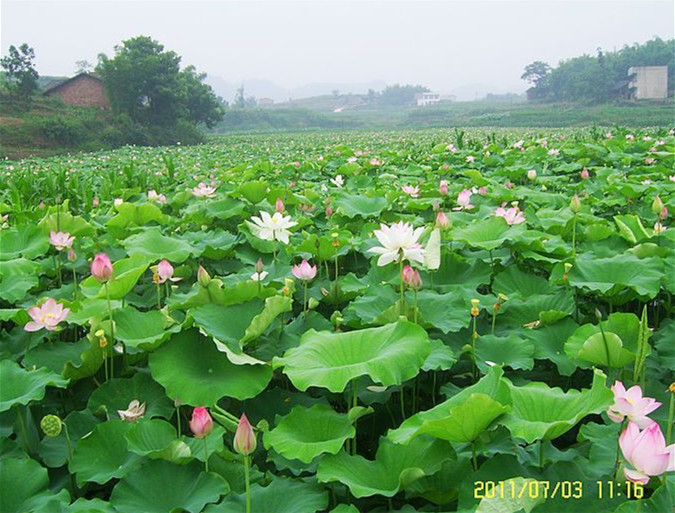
(533, 488)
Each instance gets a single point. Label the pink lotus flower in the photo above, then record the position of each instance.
(511, 215)
(508, 185)
(482, 191)
(464, 200)
(442, 221)
(304, 271)
(412, 190)
(94, 202)
(470, 158)
(329, 211)
(646, 451)
(201, 423)
(585, 174)
(663, 215)
(134, 411)
(411, 277)
(650, 160)
(630, 403)
(163, 272)
(61, 240)
(443, 187)
(204, 191)
(46, 316)
(375, 162)
(153, 196)
(101, 267)
(279, 206)
(244, 438)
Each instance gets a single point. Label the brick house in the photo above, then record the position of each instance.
(83, 90)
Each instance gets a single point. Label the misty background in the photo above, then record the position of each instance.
(282, 49)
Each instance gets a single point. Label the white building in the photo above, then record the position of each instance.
(649, 82)
(428, 99)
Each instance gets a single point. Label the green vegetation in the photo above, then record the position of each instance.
(598, 79)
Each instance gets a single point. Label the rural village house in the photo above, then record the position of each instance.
(83, 90)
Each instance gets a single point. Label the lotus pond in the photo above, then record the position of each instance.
(369, 322)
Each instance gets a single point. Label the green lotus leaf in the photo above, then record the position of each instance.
(213, 441)
(587, 346)
(390, 355)
(90, 506)
(549, 342)
(443, 486)
(66, 222)
(116, 394)
(143, 331)
(352, 205)
(486, 234)
(23, 481)
(543, 413)
(73, 361)
(441, 357)
(512, 504)
(395, 467)
(192, 370)
(612, 275)
(456, 272)
(21, 386)
(26, 241)
(305, 433)
(126, 273)
(254, 190)
(214, 244)
(222, 209)
(152, 245)
(446, 312)
(132, 214)
(280, 496)
(512, 351)
(156, 439)
(631, 228)
(162, 487)
(512, 281)
(103, 455)
(462, 417)
(17, 277)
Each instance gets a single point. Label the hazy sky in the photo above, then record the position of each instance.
(448, 46)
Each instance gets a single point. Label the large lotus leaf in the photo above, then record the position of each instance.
(116, 394)
(143, 331)
(548, 309)
(66, 222)
(223, 209)
(512, 281)
(512, 502)
(155, 246)
(162, 487)
(126, 273)
(587, 345)
(214, 244)
(446, 312)
(17, 277)
(443, 486)
(54, 450)
(21, 386)
(132, 214)
(157, 439)
(103, 454)
(441, 357)
(280, 496)
(511, 351)
(390, 355)
(543, 413)
(462, 417)
(395, 466)
(610, 276)
(486, 234)
(73, 361)
(27, 241)
(234, 325)
(24, 485)
(663, 343)
(631, 228)
(305, 433)
(254, 190)
(549, 342)
(352, 205)
(456, 272)
(90, 506)
(192, 370)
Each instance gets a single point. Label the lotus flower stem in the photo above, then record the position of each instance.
(57, 267)
(474, 459)
(178, 429)
(618, 448)
(604, 340)
(415, 310)
(24, 433)
(400, 275)
(74, 282)
(206, 455)
(574, 236)
(671, 415)
(247, 464)
(542, 457)
(402, 400)
(304, 298)
(159, 297)
(474, 337)
(112, 331)
(355, 402)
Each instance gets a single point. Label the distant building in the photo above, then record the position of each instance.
(265, 102)
(648, 82)
(83, 90)
(427, 99)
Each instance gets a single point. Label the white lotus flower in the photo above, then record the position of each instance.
(259, 276)
(271, 227)
(399, 241)
(338, 181)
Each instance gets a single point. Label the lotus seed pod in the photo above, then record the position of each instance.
(51, 425)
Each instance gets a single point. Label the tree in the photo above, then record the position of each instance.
(21, 73)
(145, 83)
(239, 98)
(83, 67)
(401, 94)
(536, 73)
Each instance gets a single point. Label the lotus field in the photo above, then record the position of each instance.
(369, 322)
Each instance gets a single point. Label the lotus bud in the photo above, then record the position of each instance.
(663, 214)
(279, 205)
(442, 221)
(411, 278)
(201, 422)
(443, 188)
(532, 174)
(71, 255)
(657, 205)
(329, 211)
(203, 278)
(575, 204)
(474, 307)
(101, 267)
(598, 314)
(259, 266)
(244, 438)
(51, 425)
(585, 174)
